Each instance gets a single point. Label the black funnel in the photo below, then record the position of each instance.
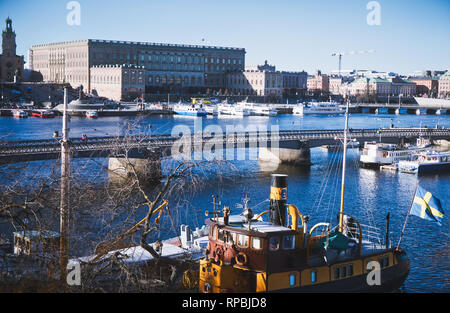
(278, 199)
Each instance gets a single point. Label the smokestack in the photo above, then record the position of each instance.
(278, 199)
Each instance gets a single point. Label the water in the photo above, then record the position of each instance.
(370, 194)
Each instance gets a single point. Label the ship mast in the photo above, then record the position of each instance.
(341, 212)
(64, 205)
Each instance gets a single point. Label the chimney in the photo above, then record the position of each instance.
(278, 199)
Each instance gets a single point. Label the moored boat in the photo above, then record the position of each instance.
(20, 113)
(427, 162)
(43, 113)
(190, 109)
(376, 154)
(91, 114)
(248, 254)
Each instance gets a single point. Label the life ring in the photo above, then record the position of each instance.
(422, 158)
(240, 261)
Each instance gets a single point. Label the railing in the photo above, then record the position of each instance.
(166, 140)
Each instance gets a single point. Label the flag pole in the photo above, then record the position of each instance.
(404, 226)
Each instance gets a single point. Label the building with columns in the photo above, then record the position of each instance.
(265, 80)
(168, 67)
(11, 65)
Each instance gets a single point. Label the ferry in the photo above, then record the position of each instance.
(427, 162)
(248, 254)
(212, 110)
(43, 114)
(20, 113)
(376, 154)
(190, 109)
(237, 110)
(91, 114)
(320, 108)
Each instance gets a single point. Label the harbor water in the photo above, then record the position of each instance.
(315, 190)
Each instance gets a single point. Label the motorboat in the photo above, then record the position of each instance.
(426, 162)
(189, 109)
(91, 114)
(43, 113)
(20, 113)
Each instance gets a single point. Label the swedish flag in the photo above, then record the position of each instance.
(427, 206)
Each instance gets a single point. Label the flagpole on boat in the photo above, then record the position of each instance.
(406, 220)
(341, 214)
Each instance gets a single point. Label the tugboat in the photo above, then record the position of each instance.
(247, 254)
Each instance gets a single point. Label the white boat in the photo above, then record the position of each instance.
(91, 114)
(427, 162)
(320, 108)
(298, 109)
(189, 109)
(228, 109)
(20, 114)
(376, 154)
(212, 109)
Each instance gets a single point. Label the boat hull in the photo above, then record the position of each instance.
(433, 168)
(192, 113)
(392, 278)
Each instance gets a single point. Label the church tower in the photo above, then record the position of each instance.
(11, 65)
(9, 40)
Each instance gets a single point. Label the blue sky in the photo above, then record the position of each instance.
(291, 34)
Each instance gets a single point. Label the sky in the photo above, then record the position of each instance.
(294, 35)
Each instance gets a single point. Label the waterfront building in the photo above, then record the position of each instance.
(318, 82)
(444, 84)
(118, 82)
(402, 87)
(168, 67)
(265, 80)
(425, 85)
(255, 82)
(11, 65)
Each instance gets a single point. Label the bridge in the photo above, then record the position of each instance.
(291, 146)
(403, 108)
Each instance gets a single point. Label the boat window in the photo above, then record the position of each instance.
(381, 262)
(350, 269)
(274, 243)
(214, 232)
(243, 241)
(292, 279)
(221, 236)
(344, 271)
(288, 242)
(336, 273)
(386, 261)
(230, 237)
(313, 276)
(256, 243)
